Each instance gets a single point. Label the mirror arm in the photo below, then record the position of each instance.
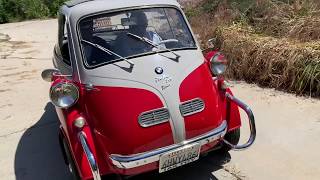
(62, 75)
(212, 42)
(49, 74)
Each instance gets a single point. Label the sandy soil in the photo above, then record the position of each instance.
(288, 126)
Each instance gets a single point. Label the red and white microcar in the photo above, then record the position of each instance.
(135, 93)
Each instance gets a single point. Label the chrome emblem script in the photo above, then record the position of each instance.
(159, 70)
(164, 81)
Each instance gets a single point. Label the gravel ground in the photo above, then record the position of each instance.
(287, 125)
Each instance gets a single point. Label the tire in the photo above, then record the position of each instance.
(113, 177)
(233, 137)
(69, 160)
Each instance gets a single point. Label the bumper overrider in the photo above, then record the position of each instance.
(90, 157)
(137, 160)
(252, 123)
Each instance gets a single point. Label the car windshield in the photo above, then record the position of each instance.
(159, 30)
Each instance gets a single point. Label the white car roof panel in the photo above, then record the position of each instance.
(79, 8)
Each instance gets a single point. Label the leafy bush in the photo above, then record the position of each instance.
(210, 5)
(17, 10)
(3, 16)
(53, 6)
(34, 9)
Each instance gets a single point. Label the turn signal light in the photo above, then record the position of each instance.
(79, 122)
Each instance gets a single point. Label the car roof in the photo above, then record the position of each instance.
(75, 2)
(114, 4)
(79, 8)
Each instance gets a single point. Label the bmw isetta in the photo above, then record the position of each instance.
(135, 93)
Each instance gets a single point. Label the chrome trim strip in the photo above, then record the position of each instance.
(136, 160)
(74, 51)
(89, 155)
(252, 124)
(194, 112)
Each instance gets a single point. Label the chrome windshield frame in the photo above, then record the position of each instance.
(87, 66)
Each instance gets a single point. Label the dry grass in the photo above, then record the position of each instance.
(205, 24)
(278, 63)
(297, 21)
(303, 28)
(268, 42)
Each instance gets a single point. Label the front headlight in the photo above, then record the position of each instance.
(64, 94)
(218, 64)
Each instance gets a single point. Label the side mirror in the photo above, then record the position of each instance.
(48, 74)
(210, 45)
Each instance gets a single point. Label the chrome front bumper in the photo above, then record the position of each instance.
(136, 160)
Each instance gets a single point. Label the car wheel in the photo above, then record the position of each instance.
(233, 137)
(70, 162)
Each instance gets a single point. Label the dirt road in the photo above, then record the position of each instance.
(288, 126)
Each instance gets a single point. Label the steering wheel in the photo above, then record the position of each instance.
(168, 41)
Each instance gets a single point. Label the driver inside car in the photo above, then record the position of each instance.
(128, 46)
(94, 56)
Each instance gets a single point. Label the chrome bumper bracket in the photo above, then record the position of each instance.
(252, 124)
(90, 157)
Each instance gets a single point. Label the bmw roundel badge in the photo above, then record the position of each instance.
(159, 70)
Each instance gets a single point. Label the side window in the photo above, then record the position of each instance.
(179, 28)
(62, 48)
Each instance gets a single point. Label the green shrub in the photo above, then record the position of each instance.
(192, 12)
(53, 6)
(242, 5)
(210, 5)
(34, 9)
(17, 10)
(3, 16)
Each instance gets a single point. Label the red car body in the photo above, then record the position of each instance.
(112, 139)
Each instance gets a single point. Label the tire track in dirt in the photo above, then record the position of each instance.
(8, 51)
(8, 47)
(16, 26)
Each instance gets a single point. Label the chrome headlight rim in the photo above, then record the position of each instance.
(218, 67)
(61, 85)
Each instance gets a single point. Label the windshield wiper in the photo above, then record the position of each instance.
(107, 51)
(147, 41)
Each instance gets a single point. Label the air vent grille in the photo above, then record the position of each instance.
(192, 107)
(154, 117)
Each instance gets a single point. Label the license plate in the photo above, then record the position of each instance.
(179, 157)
